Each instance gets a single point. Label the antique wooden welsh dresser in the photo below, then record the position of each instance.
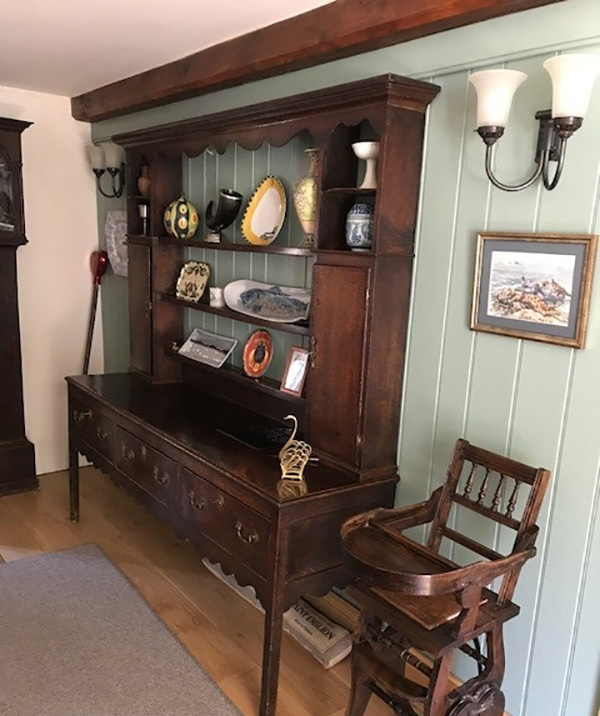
(173, 431)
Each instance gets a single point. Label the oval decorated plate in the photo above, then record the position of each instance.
(265, 213)
(258, 352)
(280, 304)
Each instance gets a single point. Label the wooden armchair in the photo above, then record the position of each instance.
(415, 601)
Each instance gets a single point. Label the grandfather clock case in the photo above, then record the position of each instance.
(17, 455)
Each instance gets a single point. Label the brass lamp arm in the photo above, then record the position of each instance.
(551, 147)
(489, 161)
(559, 167)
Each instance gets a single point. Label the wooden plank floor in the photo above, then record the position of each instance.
(221, 630)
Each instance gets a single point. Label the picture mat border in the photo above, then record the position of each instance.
(511, 327)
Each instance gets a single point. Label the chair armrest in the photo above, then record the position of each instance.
(477, 574)
(398, 519)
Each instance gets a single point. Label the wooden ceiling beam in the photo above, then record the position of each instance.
(331, 32)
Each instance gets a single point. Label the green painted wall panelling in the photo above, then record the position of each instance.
(535, 402)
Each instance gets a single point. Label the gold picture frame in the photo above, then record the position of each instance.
(534, 286)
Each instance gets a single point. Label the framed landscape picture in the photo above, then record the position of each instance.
(534, 286)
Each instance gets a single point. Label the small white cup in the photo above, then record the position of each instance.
(216, 297)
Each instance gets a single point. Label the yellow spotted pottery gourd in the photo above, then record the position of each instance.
(181, 218)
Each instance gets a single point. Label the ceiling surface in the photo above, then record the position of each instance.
(73, 46)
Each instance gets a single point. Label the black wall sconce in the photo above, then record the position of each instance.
(108, 157)
(573, 78)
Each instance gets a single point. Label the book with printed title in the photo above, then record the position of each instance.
(328, 642)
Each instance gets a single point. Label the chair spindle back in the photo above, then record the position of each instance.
(477, 492)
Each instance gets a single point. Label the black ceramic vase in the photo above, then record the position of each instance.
(227, 209)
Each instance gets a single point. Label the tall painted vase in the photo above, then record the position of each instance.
(305, 197)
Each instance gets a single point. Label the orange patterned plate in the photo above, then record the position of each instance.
(258, 352)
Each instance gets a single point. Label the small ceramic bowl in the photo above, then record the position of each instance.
(366, 150)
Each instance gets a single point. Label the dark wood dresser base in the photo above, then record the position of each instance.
(168, 447)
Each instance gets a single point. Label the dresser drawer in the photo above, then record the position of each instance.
(225, 520)
(93, 427)
(151, 469)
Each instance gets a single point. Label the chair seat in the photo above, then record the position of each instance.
(428, 624)
(429, 612)
(387, 553)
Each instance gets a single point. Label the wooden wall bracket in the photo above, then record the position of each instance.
(340, 29)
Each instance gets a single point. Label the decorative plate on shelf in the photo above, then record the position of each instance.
(192, 280)
(115, 232)
(265, 213)
(271, 303)
(208, 348)
(258, 352)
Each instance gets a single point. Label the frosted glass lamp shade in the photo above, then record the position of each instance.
(573, 78)
(96, 156)
(495, 91)
(114, 155)
(108, 156)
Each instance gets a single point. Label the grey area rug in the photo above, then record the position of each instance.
(76, 639)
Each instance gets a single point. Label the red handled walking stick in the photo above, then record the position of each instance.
(98, 266)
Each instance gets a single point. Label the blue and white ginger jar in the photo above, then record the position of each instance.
(359, 227)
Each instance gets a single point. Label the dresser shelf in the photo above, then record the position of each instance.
(348, 191)
(298, 329)
(236, 375)
(221, 246)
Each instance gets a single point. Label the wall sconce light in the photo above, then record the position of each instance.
(572, 77)
(108, 157)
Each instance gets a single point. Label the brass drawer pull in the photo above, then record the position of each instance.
(219, 502)
(127, 453)
(100, 434)
(160, 479)
(200, 505)
(249, 537)
(79, 417)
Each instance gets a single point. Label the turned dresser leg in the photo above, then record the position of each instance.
(73, 483)
(271, 657)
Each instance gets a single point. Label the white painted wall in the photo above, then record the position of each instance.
(53, 268)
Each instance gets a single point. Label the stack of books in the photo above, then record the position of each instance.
(322, 625)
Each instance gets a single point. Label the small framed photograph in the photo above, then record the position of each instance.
(295, 371)
(534, 286)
